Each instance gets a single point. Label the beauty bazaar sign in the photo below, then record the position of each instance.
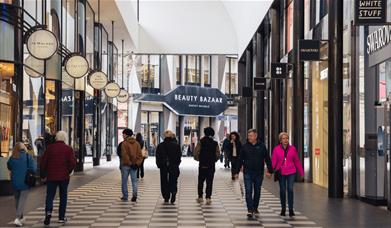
(370, 12)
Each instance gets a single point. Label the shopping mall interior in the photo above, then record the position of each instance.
(318, 70)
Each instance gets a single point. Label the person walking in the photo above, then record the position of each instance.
(207, 152)
(168, 158)
(286, 164)
(131, 158)
(253, 157)
(140, 170)
(234, 148)
(57, 163)
(225, 150)
(19, 164)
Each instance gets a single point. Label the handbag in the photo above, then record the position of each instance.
(29, 179)
(144, 152)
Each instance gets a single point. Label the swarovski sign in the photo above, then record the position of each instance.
(378, 39)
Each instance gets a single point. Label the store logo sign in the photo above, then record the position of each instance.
(379, 39)
(34, 67)
(309, 50)
(76, 65)
(259, 84)
(42, 44)
(123, 96)
(97, 79)
(112, 90)
(279, 71)
(195, 100)
(370, 12)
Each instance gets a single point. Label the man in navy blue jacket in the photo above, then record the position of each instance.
(252, 158)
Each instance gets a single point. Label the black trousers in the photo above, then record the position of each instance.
(235, 169)
(140, 170)
(169, 181)
(205, 174)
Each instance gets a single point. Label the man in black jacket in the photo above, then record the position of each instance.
(207, 152)
(253, 157)
(168, 158)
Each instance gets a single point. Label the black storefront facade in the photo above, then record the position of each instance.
(336, 111)
(53, 101)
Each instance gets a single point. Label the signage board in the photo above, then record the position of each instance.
(112, 90)
(279, 70)
(34, 67)
(97, 80)
(259, 84)
(123, 96)
(378, 39)
(309, 50)
(42, 44)
(76, 66)
(370, 12)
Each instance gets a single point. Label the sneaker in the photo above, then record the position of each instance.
(134, 199)
(23, 219)
(62, 221)
(256, 211)
(291, 213)
(124, 199)
(208, 201)
(47, 219)
(282, 212)
(250, 214)
(200, 200)
(18, 222)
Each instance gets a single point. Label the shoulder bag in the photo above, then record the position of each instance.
(29, 179)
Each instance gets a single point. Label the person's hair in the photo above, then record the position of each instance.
(208, 131)
(61, 136)
(282, 134)
(236, 134)
(47, 130)
(252, 130)
(139, 137)
(127, 132)
(169, 134)
(17, 148)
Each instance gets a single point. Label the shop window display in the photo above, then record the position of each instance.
(6, 108)
(206, 66)
(193, 69)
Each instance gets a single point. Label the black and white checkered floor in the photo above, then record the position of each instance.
(98, 204)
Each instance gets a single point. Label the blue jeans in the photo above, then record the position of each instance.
(125, 172)
(51, 193)
(284, 180)
(252, 184)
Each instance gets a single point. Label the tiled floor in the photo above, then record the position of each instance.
(97, 204)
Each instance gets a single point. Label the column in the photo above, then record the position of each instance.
(335, 105)
(260, 94)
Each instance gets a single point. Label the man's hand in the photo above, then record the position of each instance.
(268, 175)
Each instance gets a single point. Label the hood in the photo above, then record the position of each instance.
(131, 140)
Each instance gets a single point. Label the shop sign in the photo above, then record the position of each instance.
(76, 66)
(378, 39)
(97, 80)
(112, 90)
(67, 103)
(279, 71)
(370, 12)
(123, 96)
(34, 67)
(259, 84)
(309, 50)
(195, 100)
(42, 44)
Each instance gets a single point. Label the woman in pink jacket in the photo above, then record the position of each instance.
(286, 163)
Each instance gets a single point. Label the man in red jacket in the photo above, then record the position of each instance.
(57, 163)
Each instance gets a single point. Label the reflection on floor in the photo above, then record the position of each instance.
(97, 204)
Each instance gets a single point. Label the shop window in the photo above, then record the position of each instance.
(150, 130)
(193, 70)
(148, 72)
(51, 105)
(6, 106)
(206, 69)
(231, 76)
(177, 68)
(289, 27)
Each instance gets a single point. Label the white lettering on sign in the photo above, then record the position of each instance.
(189, 98)
(379, 39)
(370, 9)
